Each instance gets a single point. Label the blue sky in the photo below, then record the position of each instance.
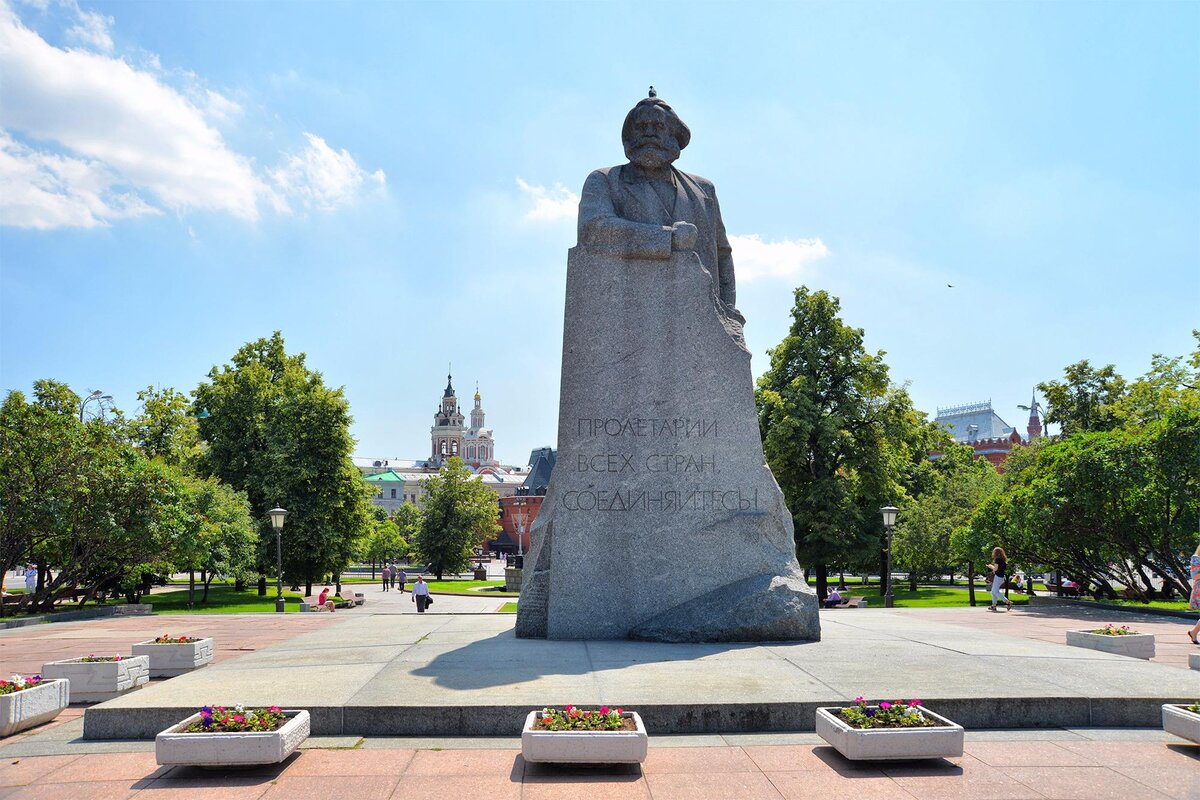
(392, 186)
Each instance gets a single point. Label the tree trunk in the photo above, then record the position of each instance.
(191, 588)
(337, 584)
(308, 588)
(207, 578)
(971, 581)
(841, 580)
(822, 582)
(262, 584)
(372, 569)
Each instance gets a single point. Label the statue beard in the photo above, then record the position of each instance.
(653, 153)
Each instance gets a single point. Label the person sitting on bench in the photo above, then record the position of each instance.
(833, 600)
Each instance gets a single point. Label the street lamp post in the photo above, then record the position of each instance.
(99, 396)
(278, 515)
(889, 523)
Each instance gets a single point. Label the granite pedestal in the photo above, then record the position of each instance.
(393, 675)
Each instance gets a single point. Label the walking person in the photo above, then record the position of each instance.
(420, 594)
(999, 568)
(403, 578)
(30, 579)
(387, 576)
(1194, 600)
(394, 571)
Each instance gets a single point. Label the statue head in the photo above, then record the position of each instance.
(653, 134)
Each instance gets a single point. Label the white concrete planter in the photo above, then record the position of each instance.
(890, 744)
(1194, 660)
(584, 747)
(1135, 645)
(96, 681)
(29, 707)
(169, 660)
(243, 749)
(1181, 722)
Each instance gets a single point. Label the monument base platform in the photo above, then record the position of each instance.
(468, 675)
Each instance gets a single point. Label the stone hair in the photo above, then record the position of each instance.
(679, 130)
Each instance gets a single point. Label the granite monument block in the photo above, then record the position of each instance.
(661, 521)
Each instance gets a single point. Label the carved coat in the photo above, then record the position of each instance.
(619, 211)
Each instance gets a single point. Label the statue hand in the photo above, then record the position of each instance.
(683, 236)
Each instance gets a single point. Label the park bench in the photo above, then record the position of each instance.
(310, 604)
(351, 596)
(852, 602)
(1068, 591)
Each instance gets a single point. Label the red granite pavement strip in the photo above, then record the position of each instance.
(1018, 770)
(26, 649)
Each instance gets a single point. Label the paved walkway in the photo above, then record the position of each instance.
(1090, 764)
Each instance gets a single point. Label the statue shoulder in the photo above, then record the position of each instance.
(704, 184)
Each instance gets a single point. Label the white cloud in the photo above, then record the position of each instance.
(76, 123)
(92, 29)
(322, 178)
(550, 205)
(786, 258)
(45, 190)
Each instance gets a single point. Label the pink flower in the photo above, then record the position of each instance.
(885, 705)
(238, 718)
(914, 702)
(859, 699)
(604, 710)
(274, 709)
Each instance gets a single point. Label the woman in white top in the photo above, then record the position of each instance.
(420, 594)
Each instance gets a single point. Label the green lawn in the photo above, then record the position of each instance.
(508, 608)
(930, 597)
(221, 600)
(1133, 605)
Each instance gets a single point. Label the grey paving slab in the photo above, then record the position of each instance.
(428, 676)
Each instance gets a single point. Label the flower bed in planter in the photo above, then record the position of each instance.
(236, 744)
(1118, 640)
(171, 656)
(598, 743)
(97, 678)
(1183, 721)
(29, 701)
(918, 732)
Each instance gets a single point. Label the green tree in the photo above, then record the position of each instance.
(1085, 399)
(460, 514)
(166, 427)
(1116, 497)
(384, 541)
(276, 432)
(923, 542)
(838, 437)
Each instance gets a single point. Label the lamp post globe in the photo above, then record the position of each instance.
(889, 524)
(278, 515)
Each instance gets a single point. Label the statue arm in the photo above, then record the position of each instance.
(726, 278)
(601, 227)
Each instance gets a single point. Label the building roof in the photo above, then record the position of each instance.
(541, 463)
(973, 422)
(384, 477)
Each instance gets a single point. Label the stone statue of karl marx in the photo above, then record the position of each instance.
(647, 208)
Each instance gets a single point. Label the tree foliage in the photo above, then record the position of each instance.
(924, 543)
(840, 439)
(102, 508)
(459, 514)
(1115, 499)
(276, 432)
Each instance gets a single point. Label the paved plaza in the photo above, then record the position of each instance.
(388, 662)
